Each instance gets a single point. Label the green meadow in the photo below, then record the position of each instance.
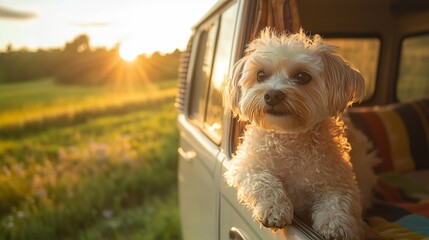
(88, 162)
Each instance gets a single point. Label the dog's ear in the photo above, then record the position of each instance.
(344, 83)
(232, 90)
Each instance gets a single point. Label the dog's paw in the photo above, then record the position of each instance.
(274, 216)
(334, 229)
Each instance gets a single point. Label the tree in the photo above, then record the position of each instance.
(9, 48)
(79, 44)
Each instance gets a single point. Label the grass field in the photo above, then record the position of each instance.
(79, 163)
(28, 106)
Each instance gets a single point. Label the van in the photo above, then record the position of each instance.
(387, 40)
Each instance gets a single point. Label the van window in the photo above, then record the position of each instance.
(362, 53)
(413, 77)
(220, 71)
(203, 64)
(211, 70)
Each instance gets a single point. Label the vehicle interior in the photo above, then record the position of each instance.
(390, 22)
(388, 41)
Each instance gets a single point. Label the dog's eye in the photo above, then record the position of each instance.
(302, 77)
(261, 76)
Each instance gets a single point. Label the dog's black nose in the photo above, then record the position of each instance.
(274, 97)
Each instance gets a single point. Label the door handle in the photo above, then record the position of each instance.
(236, 234)
(187, 155)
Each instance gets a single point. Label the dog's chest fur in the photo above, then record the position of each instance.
(305, 162)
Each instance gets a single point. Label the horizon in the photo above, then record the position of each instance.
(136, 26)
(90, 48)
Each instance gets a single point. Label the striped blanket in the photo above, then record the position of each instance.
(401, 208)
(400, 133)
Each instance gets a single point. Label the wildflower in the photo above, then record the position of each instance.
(10, 224)
(41, 192)
(20, 214)
(107, 213)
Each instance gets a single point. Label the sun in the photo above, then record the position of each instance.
(129, 52)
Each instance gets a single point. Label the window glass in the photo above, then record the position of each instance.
(221, 64)
(211, 69)
(413, 78)
(202, 72)
(362, 53)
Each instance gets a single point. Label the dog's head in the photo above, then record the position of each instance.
(291, 82)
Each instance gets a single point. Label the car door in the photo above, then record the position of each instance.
(197, 151)
(202, 126)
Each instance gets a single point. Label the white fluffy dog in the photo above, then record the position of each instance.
(295, 156)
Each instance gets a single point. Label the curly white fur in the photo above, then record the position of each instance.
(295, 155)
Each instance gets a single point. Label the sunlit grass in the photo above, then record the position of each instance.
(34, 106)
(156, 220)
(45, 92)
(110, 177)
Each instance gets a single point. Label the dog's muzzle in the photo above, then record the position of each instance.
(274, 97)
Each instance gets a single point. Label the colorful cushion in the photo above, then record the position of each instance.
(400, 133)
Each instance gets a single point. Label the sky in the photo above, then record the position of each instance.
(140, 26)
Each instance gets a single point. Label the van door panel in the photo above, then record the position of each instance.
(198, 192)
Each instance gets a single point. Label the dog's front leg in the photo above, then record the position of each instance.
(264, 194)
(337, 215)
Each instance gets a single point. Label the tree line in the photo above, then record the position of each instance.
(78, 63)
